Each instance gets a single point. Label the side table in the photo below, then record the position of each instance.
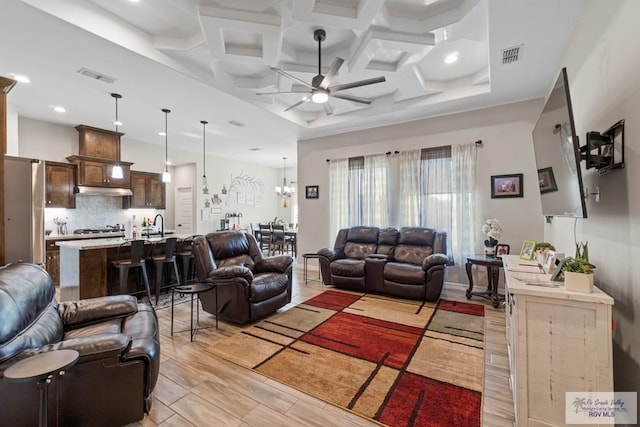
(306, 258)
(194, 289)
(493, 266)
(41, 368)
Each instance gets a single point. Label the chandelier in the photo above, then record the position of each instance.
(285, 192)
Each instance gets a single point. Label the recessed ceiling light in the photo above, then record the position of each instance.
(162, 133)
(451, 58)
(20, 78)
(58, 108)
(117, 123)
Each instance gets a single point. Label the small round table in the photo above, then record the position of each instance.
(41, 368)
(194, 289)
(493, 265)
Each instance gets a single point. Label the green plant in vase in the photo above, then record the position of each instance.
(578, 271)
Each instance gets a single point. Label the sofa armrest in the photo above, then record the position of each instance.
(231, 272)
(274, 264)
(94, 347)
(434, 259)
(330, 254)
(80, 313)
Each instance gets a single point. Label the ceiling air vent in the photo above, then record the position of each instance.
(511, 54)
(96, 75)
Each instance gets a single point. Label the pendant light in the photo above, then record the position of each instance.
(166, 176)
(285, 191)
(116, 171)
(205, 187)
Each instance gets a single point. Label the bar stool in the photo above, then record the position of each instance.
(161, 259)
(184, 256)
(135, 260)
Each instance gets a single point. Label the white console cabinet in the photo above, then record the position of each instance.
(558, 341)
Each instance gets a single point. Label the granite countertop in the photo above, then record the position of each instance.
(72, 236)
(113, 242)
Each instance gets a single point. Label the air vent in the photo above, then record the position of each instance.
(96, 75)
(511, 54)
(237, 123)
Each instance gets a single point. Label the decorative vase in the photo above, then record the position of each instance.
(490, 250)
(578, 282)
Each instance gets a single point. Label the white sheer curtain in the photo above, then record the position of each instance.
(463, 212)
(375, 191)
(410, 187)
(436, 191)
(338, 196)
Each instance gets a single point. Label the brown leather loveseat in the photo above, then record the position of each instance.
(250, 286)
(118, 343)
(407, 263)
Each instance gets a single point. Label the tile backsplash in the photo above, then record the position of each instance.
(96, 212)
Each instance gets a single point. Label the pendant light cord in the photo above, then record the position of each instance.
(204, 148)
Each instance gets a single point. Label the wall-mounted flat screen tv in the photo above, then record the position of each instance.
(557, 153)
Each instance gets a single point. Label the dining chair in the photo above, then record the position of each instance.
(265, 237)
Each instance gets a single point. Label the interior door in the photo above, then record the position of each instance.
(184, 210)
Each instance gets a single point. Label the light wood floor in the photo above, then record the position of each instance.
(197, 388)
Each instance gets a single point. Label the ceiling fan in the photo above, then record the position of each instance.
(320, 88)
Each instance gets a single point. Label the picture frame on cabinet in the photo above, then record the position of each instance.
(528, 249)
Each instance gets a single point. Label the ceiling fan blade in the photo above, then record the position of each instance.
(351, 98)
(333, 70)
(289, 76)
(327, 108)
(278, 93)
(302, 101)
(359, 83)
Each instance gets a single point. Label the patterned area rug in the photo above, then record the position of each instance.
(399, 362)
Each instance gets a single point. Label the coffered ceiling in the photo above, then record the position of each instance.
(214, 60)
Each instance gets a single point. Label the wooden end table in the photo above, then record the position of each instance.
(493, 265)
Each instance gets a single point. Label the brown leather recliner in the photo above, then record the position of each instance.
(118, 343)
(408, 263)
(250, 286)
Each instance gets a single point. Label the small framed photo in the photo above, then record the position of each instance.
(502, 249)
(547, 180)
(528, 249)
(503, 186)
(311, 192)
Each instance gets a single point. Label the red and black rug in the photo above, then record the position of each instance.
(399, 362)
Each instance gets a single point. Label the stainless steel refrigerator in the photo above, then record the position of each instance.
(24, 189)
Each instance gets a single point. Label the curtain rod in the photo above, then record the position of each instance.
(388, 153)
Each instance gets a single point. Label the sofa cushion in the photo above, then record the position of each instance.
(412, 254)
(360, 251)
(268, 285)
(404, 273)
(348, 267)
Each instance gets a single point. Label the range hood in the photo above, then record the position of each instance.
(102, 191)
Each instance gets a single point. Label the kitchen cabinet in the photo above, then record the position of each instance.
(558, 341)
(148, 191)
(52, 260)
(59, 183)
(97, 172)
(98, 143)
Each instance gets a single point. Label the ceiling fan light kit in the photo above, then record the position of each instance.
(320, 89)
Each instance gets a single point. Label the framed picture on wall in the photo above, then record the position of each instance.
(503, 186)
(311, 192)
(547, 180)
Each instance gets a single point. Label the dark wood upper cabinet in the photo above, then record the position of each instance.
(98, 143)
(97, 172)
(59, 184)
(148, 191)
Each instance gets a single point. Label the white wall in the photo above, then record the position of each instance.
(507, 148)
(604, 81)
(55, 142)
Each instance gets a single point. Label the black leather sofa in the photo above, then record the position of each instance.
(118, 343)
(250, 286)
(407, 263)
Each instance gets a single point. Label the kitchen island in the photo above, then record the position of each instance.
(85, 265)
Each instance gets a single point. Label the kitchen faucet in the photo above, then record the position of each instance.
(162, 227)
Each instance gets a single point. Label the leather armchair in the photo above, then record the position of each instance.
(117, 340)
(250, 286)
